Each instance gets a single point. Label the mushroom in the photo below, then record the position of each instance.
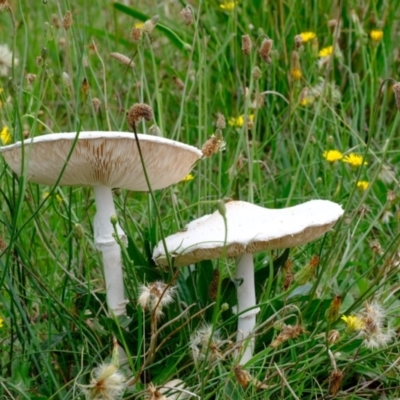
(103, 160)
(249, 229)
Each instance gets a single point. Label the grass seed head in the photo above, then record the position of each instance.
(67, 20)
(96, 104)
(136, 34)
(287, 332)
(265, 50)
(246, 45)
(335, 381)
(150, 24)
(256, 73)
(213, 145)
(221, 122)
(187, 15)
(138, 112)
(123, 59)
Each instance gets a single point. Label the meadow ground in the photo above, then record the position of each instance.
(299, 98)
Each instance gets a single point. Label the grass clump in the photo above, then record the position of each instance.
(292, 103)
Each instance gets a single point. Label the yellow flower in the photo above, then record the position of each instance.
(306, 101)
(332, 155)
(138, 25)
(307, 36)
(376, 35)
(363, 185)
(296, 74)
(355, 160)
(353, 322)
(238, 122)
(228, 5)
(1, 322)
(326, 51)
(187, 178)
(5, 136)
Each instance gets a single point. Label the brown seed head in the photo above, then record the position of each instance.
(150, 24)
(243, 377)
(213, 288)
(138, 112)
(287, 332)
(30, 78)
(123, 59)
(178, 83)
(298, 41)
(136, 34)
(213, 145)
(55, 21)
(3, 244)
(246, 44)
(335, 381)
(39, 60)
(187, 15)
(332, 313)
(265, 49)
(92, 47)
(85, 87)
(390, 196)
(96, 104)
(376, 247)
(396, 90)
(67, 20)
(333, 336)
(221, 123)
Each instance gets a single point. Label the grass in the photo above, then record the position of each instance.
(56, 328)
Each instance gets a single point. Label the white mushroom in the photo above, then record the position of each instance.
(250, 229)
(103, 160)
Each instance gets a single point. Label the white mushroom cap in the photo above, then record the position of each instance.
(250, 228)
(102, 158)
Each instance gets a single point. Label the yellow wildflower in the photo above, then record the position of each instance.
(353, 322)
(228, 5)
(296, 74)
(138, 25)
(332, 155)
(376, 35)
(5, 136)
(307, 100)
(326, 51)
(238, 122)
(363, 185)
(355, 160)
(1, 322)
(307, 36)
(187, 178)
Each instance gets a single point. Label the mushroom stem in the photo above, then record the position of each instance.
(246, 297)
(105, 242)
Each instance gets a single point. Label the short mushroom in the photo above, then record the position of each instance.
(103, 160)
(249, 229)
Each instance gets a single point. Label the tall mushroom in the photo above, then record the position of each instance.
(249, 229)
(103, 160)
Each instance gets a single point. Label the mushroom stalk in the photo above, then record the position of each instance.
(105, 242)
(246, 298)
